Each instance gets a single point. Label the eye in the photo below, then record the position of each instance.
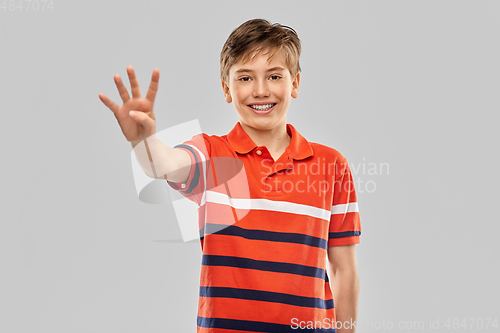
(244, 79)
(276, 77)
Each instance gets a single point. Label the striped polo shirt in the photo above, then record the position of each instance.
(265, 227)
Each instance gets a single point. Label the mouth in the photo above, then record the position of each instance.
(262, 108)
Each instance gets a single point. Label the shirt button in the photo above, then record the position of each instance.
(258, 152)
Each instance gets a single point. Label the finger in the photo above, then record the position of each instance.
(121, 88)
(146, 121)
(109, 103)
(134, 83)
(153, 86)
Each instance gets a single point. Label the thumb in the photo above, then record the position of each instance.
(143, 119)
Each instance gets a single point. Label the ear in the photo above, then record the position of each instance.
(227, 93)
(295, 86)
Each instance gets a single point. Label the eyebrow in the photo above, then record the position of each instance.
(244, 70)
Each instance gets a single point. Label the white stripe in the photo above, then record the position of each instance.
(266, 204)
(345, 208)
(271, 205)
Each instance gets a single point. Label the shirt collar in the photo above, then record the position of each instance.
(299, 147)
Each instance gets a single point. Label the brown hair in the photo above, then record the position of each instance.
(257, 35)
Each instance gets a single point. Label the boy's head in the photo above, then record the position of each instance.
(260, 72)
(255, 36)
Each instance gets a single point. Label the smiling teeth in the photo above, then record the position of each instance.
(262, 107)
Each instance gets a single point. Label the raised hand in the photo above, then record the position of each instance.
(135, 116)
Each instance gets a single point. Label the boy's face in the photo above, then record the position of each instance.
(259, 82)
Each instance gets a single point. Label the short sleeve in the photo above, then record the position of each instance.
(345, 226)
(198, 148)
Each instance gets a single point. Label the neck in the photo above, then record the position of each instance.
(276, 139)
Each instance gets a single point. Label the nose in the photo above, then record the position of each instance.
(260, 88)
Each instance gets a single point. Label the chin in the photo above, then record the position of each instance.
(263, 125)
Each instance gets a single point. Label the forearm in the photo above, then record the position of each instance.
(345, 289)
(161, 162)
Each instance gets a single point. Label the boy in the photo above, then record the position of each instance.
(264, 255)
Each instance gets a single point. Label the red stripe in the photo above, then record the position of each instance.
(233, 277)
(278, 313)
(265, 250)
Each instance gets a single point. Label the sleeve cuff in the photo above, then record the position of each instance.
(343, 241)
(186, 186)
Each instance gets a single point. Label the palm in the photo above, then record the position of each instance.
(132, 130)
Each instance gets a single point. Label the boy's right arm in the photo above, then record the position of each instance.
(172, 164)
(138, 123)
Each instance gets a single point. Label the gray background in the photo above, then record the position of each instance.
(410, 83)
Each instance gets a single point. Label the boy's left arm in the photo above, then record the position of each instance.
(345, 286)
